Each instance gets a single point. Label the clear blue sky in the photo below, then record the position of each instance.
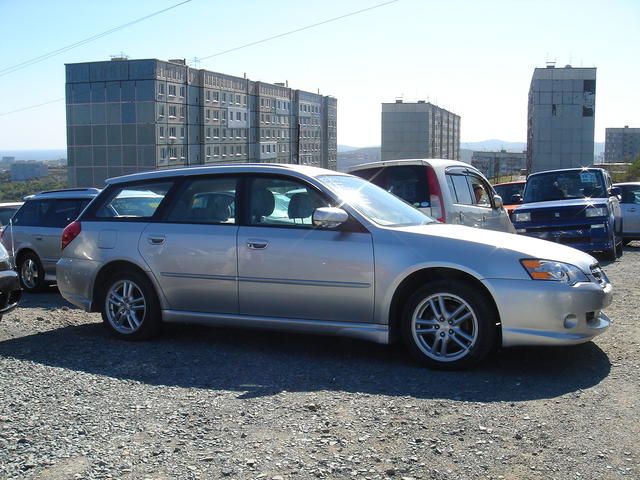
(475, 58)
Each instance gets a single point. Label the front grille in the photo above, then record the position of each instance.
(558, 213)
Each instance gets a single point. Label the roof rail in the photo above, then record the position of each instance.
(90, 189)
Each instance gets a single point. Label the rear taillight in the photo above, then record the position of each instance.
(70, 232)
(435, 195)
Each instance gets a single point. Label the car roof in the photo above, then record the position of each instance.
(568, 170)
(303, 170)
(435, 162)
(11, 204)
(79, 193)
(516, 182)
(624, 184)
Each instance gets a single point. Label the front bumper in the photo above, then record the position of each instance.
(10, 291)
(548, 313)
(588, 236)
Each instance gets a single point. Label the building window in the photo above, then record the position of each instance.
(161, 111)
(161, 89)
(161, 132)
(182, 91)
(216, 151)
(216, 133)
(207, 113)
(238, 115)
(224, 97)
(173, 153)
(182, 112)
(172, 132)
(208, 95)
(224, 151)
(208, 132)
(172, 90)
(216, 96)
(172, 111)
(181, 132)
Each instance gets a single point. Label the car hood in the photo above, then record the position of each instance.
(490, 250)
(562, 203)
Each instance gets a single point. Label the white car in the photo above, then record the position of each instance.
(447, 190)
(630, 205)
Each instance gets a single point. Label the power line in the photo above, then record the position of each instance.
(297, 30)
(198, 59)
(31, 106)
(27, 63)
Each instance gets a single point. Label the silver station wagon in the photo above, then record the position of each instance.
(304, 249)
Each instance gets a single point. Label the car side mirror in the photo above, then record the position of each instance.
(516, 198)
(497, 201)
(615, 191)
(329, 217)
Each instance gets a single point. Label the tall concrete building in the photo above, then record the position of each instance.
(561, 118)
(419, 130)
(499, 164)
(126, 116)
(621, 144)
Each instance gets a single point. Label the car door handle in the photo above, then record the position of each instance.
(38, 237)
(155, 239)
(631, 210)
(257, 244)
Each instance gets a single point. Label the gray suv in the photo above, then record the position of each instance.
(33, 237)
(310, 250)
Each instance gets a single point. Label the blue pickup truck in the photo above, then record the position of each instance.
(578, 207)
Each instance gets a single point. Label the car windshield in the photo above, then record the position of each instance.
(564, 185)
(508, 190)
(373, 202)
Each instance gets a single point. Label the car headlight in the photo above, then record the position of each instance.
(522, 217)
(596, 212)
(553, 271)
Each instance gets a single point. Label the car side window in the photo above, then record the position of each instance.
(481, 192)
(206, 200)
(61, 213)
(631, 195)
(461, 188)
(280, 202)
(27, 215)
(133, 201)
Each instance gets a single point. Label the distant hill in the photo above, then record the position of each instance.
(44, 154)
(494, 145)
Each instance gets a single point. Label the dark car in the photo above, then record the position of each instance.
(578, 207)
(9, 285)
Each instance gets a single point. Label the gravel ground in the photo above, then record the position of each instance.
(211, 403)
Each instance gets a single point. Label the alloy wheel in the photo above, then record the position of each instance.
(29, 273)
(125, 306)
(444, 327)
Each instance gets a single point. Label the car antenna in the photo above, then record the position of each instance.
(13, 250)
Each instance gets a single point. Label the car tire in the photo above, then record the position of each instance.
(130, 307)
(467, 327)
(612, 253)
(31, 273)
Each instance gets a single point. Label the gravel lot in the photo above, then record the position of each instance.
(211, 403)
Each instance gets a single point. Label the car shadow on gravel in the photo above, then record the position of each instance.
(257, 363)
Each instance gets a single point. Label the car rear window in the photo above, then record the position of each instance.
(408, 182)
(132, 201)
(51, 213)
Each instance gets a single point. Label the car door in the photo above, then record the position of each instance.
(192, 250)
(465, 211)
(55, 216)
(287, 268)
(630, 209)
(493, 218)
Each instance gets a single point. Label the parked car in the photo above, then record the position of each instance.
(630, 205)
(447, 190)
(9, 285)
(577, 207)
(344, 257)
(7, 210)
(511, 193)
(35, 232)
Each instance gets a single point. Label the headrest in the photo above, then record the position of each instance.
(263, 203)
(300, 206)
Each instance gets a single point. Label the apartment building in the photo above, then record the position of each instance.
(561, 118)
(126, 116)
(499, 164)
(419, 130)
(621, 144)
